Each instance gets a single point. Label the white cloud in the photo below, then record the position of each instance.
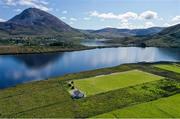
(148, 15)
(174, 21)
(87, 18)
(40, 4)
(176, 18)
(123, 17)
(166, 24)
(129, 25)
(9, 2)
(64, 12)
(125, 25)
(17, 10)
(2, 20)
(148, 24)
(63, 18)
(126, 16)
(71, 23)
(44, 2)
(109, 26)
(73, 19)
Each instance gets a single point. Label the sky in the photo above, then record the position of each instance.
(97, 14)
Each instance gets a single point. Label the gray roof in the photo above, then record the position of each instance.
(77, 94)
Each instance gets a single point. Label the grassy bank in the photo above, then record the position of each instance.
(4, 50)
(50, 98)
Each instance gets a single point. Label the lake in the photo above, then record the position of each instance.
(17, 69)
(97, 42)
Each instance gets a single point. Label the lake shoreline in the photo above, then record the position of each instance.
(52, 50)
(23, 50)
(110, 70)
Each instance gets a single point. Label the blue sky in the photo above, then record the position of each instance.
(97, 14)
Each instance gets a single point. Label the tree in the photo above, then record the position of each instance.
(143, 45)
(72, 87)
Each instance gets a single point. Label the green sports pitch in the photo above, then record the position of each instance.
(104, 83)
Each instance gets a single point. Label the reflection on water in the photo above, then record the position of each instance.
(36, 60)
(15, 69)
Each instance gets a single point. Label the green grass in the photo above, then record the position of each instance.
(50, 98)
(170, 67)
(35, 96)
(162, 108)
(101, 84)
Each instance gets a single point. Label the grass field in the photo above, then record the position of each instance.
(165, 107)
(50, 98)
(170, 67)
(100, 84)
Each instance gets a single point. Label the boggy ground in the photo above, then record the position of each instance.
(50, 98)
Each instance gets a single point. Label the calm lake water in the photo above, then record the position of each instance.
(16, 69)
(96, 42)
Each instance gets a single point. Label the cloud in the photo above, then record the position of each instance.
(64, 12)
(2, 20)
(109, 26)
(73, 19)
(63, 18)
(125, 25)
(40, 4)
(123, 17)
(166, 24)
(128, 15)
(149, 24)
(71, 23)
(87, 18)
(148, 15)
(9, 2)
(174, 21)
(129, 25)
(17, 10)
(176, 18)
(44, 2)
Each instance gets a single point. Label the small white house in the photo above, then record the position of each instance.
(76, 94)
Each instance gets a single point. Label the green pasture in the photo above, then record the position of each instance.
(104, 83)
(162, 108)
(170, 67)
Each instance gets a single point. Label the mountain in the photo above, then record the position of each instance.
(169, 37)
(114, 32)
(34, 27)
(34, 21)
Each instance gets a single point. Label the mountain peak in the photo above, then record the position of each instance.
(33, 17)
(28, 16)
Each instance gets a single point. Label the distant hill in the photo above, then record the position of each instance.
(168, 37)
(114, 32)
